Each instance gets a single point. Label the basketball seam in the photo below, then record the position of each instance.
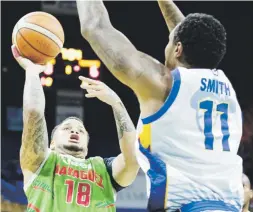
(44, 34)
(33, 46)
(21, 53)
(23, 24)
(43, 27)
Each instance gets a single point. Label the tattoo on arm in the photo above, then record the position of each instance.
(123, 121)
(118, 53)
(171, 13)
(35, 137)
(125, 166)
(124, 61)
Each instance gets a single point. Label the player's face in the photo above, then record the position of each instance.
(172, 51)
(248, 193)
(71, 137)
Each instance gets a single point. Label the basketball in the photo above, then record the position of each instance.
(38, 36)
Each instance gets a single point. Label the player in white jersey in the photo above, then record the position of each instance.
(191, 119)
(193, 141)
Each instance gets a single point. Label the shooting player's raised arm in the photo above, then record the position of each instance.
(34, 138)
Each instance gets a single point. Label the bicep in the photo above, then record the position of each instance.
(123, 173)
(130, 66)
(108, 164)
(34, 141)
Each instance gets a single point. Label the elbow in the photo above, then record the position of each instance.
(132, 164)
(130, 161)
(94, 26)
(128, 150)
(89, 27)
(85, 31)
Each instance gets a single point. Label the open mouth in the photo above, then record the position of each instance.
(74, 138)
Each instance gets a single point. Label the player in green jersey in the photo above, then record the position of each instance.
(61, 178)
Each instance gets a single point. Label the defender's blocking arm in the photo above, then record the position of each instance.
(34, 137)
(130, 66)
(171, 13)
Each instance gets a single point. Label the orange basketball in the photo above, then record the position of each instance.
(38, 36)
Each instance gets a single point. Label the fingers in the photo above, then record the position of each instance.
(90, 95)
(17, 56)
(41, 68)
(91, 87)
(89, 81)
(93, 93)
(15, 51)
(23, 62)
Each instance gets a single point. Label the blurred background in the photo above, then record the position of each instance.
(143, 24)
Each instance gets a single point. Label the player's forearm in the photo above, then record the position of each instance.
(34, 138)
(123, 60)
(92, 15)
(33, 97)
(171, 13)
(125, 166)
(126, 133)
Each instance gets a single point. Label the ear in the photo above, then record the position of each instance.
(86, 152)
(251, 194)
(178, 49)
(52, 145)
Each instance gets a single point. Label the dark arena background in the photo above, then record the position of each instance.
(143, 24)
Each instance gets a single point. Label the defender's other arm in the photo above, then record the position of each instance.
(124, 166)
(171, 13)
(34, 138)
(137, 70)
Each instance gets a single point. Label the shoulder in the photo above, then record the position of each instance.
(107, 162)
(29, 177)
(108, 166)
(96, 159)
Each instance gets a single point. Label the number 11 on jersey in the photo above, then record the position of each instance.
(222, 108)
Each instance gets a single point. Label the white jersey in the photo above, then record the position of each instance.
(190, 145)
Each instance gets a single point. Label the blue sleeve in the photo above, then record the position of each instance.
(108, 165)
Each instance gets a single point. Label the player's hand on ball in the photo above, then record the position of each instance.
(25, 63)
(99, 90)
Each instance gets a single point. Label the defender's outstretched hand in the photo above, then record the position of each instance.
(25, 63)
(99, 90)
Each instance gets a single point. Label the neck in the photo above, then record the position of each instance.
(185, 65)
(177, 64)
(246, 207)
(79, 154)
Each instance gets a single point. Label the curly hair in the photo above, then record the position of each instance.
(203, 39)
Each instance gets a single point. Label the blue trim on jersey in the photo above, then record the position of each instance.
(170, 99)
(158, 178)
(208, 205)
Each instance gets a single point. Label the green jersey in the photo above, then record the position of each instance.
(64, 183)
